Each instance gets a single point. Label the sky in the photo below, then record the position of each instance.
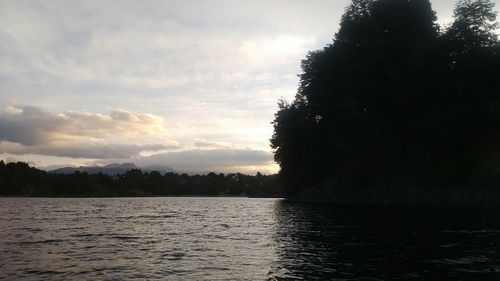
(192, 85)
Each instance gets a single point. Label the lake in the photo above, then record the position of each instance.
(241, 239)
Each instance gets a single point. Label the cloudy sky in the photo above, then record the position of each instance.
(192, 85)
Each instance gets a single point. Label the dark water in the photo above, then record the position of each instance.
(241, 239)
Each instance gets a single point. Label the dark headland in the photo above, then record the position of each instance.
(397, 109)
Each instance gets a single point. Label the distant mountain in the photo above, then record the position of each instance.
(112, 169)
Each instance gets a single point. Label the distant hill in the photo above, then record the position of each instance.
(112, 169)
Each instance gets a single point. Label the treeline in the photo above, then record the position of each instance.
(19, 179)
(396, 102)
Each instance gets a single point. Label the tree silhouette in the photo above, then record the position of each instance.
(392, 101)
(474, 26)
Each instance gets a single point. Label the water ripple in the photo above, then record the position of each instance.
(241, 239)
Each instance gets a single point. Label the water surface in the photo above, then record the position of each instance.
(241, 239)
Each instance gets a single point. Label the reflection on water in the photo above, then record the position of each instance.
(320, 242)
(241, 239)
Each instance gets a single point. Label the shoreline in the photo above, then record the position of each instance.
(409, 197)
(148, 196)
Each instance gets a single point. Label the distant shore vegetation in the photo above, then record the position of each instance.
(19, 179)
(396, 104)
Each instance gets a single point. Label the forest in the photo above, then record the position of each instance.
(19, 179)
(396, 104)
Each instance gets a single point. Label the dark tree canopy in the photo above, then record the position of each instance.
(396, 101)
(19, 179)
(474, 26)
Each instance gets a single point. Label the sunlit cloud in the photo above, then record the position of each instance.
(30, 125)
(28, 130)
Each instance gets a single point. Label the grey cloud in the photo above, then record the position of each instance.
(92, 151)
(29, 125)
(189, 43)
(208, 160)
(212, 144)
